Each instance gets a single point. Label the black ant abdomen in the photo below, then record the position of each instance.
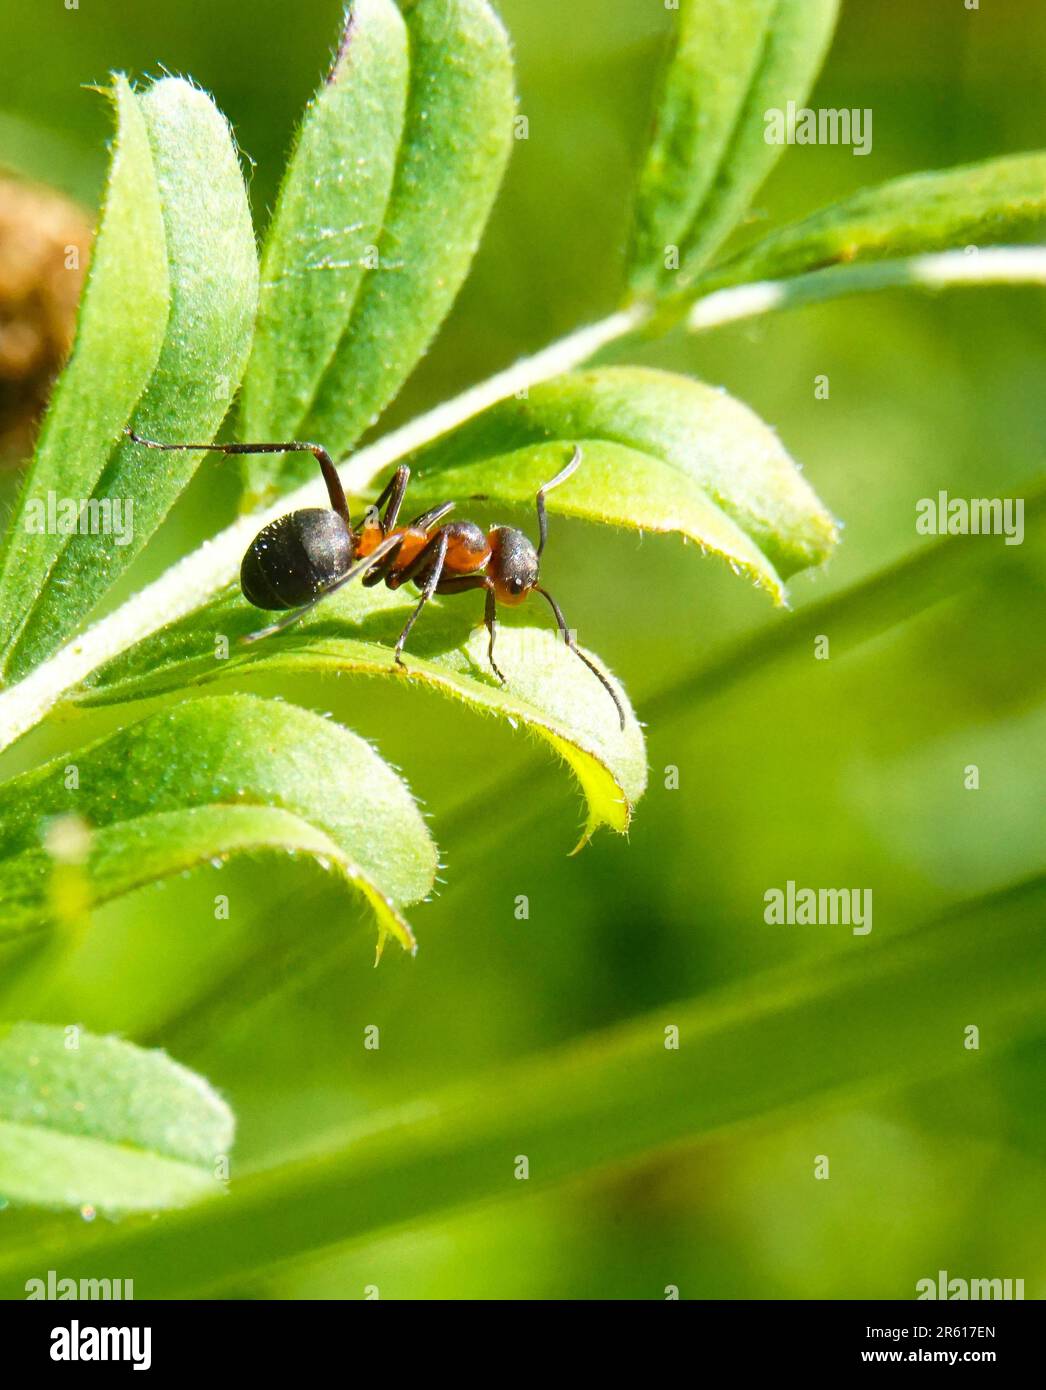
(295, 558)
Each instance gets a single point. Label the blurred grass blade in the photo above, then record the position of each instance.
(660, 453)
(328, 218)
(209, 778)
(885, 599)
(731, 62)
(119, 335)
(974, 203)
(548, 691)
(94, 1123)
(213, 293)
(862, 1022)
(38, 888)
(455, 144)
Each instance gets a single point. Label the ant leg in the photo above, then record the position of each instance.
(385, 567)
(433, 516)
(568, 638)
(490, 617)
(378, 554)
(458, 584)
(393, 493)
(335, 491)
(430, 561)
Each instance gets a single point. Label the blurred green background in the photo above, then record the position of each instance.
(840, 772)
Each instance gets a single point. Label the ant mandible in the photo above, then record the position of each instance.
(297, 560)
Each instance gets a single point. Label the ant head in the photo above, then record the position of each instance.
(513, 564)
(514, 561)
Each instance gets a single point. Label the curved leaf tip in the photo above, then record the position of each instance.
(97, 1124)
(549, 692)
(661, 452)
(210, 778)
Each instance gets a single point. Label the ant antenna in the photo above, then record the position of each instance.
(561, 477)
(568, 638)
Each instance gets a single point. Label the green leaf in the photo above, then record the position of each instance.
(862, 1022)
(92, 1122)
(714, 51)
(329, 215)
(731, 62)
(213, 293)
(660, 453)
(548, 692)
(456, 140)
(121, 327)
(210, 778)
(978, 203)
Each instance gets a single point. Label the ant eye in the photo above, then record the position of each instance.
(516, 586)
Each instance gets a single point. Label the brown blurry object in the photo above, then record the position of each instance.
(45, 243)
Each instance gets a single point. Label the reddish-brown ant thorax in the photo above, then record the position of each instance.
(412, 542)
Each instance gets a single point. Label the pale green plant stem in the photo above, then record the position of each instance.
(997, 265)
(195, 579)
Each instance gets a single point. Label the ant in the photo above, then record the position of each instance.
(297, 560)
